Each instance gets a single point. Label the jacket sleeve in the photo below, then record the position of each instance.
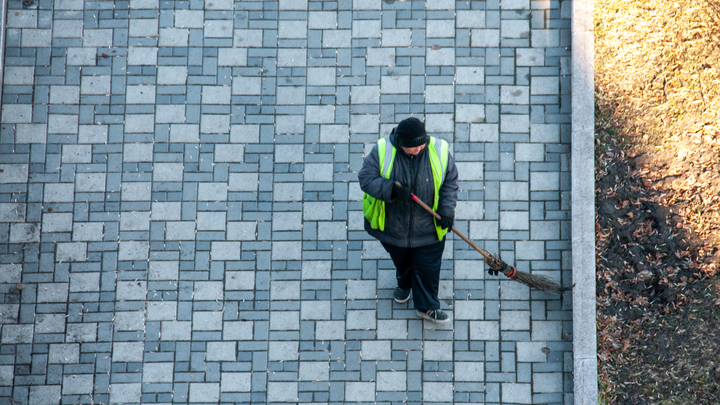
(371, 181)
(449, 190)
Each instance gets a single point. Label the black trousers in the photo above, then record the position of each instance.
(419, 269)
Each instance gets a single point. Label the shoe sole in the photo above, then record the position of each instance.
(402, 301)
(424, 316)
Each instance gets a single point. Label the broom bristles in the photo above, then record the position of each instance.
(530, 280)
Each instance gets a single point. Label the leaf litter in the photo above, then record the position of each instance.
(657, 85)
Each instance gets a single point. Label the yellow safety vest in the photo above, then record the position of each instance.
(374, 209)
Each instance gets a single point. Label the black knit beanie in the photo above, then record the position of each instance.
(411, 132)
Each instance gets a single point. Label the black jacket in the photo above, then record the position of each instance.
(407, 224)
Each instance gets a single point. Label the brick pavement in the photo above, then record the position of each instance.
(179, 198)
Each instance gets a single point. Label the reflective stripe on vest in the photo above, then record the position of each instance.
(374, 209)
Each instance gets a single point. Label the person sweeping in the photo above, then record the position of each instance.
(409, 162)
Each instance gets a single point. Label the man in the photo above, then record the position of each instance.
(414, 239)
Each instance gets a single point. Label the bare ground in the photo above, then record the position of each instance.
(658, 200)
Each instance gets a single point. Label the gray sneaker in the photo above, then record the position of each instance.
(434, 315)
(401, 296)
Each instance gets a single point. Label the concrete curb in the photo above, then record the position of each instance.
(3, 19)
(583, 205)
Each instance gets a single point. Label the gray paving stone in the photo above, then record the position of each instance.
(222, 161)
(45, 394)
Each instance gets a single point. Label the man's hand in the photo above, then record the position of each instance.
(400, 193)
(446, 222)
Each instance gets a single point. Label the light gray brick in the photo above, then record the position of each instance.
(318, 172)
(97, 38)
(287, 191)
(45, 394)
(435, 123)
(315, 310)
(138, 152)
(158, 372)
(484, 330)
(290, 124)
(469, 309)
(166, 211)
(547, 133)
(439, 94)
(246, 86)
(225, 250)
(361, 319)
(530, 57)
(470, 19)
(334, 133)
(470, 113)
(287, 221)
(330, 330)
(238, 330)
(88, 231)
(17, 334)
(290, 95)
(514, 191)
(140, 94)
(189, 18)
(90, 182)
(133, 250)
(59, 222)
(248, 38)
(391, 381)
(69, 252)
(440, 29)
(30, 133)
(93, 134)
(142, 55)
(216, 95)
(125, 393)
(334, 38)
(218, 29)
(139, 123)
(207, 320)
(544, 181)
(292, 29)
(286, 251)
(143, 28)
(469, 371)
(314, 371)
(293, 58)
(232, 57)
(366, 29)
(440, 57)
(207, 290)
(516, 393)
(395, 85)
(393, 329)
(322, 20)
(437, 391)
(36, 38)
(174, 37)
(19, 75)
(239, 280)
(62, 124)
(50, 323)
(77, 384)
(515, 29)
(285, 320)
(84, 282)
(135, 221)
(136, 191)
(12, 212)
(359, 391)
(485, 38)
(229, 153)
(175, 330)
(236, 382)
(81, 332)
(171, 75)
(144, 4)
(210, 221)
(95, 85)
(24, 233)
(183, 230)
(68, 353)
(22, 19)
(212, 191)
(282, 391)
(163, 172)
(545, 38)
(375, 350)
(167, 114)
(241, 230)
(163, 270)
(316, 270)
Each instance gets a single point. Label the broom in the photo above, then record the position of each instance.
(498, 265)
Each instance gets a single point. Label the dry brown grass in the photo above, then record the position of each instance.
(657, 114)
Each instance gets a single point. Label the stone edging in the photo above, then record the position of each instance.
(583, 205)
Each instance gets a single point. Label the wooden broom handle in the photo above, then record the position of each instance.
(437, 216)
